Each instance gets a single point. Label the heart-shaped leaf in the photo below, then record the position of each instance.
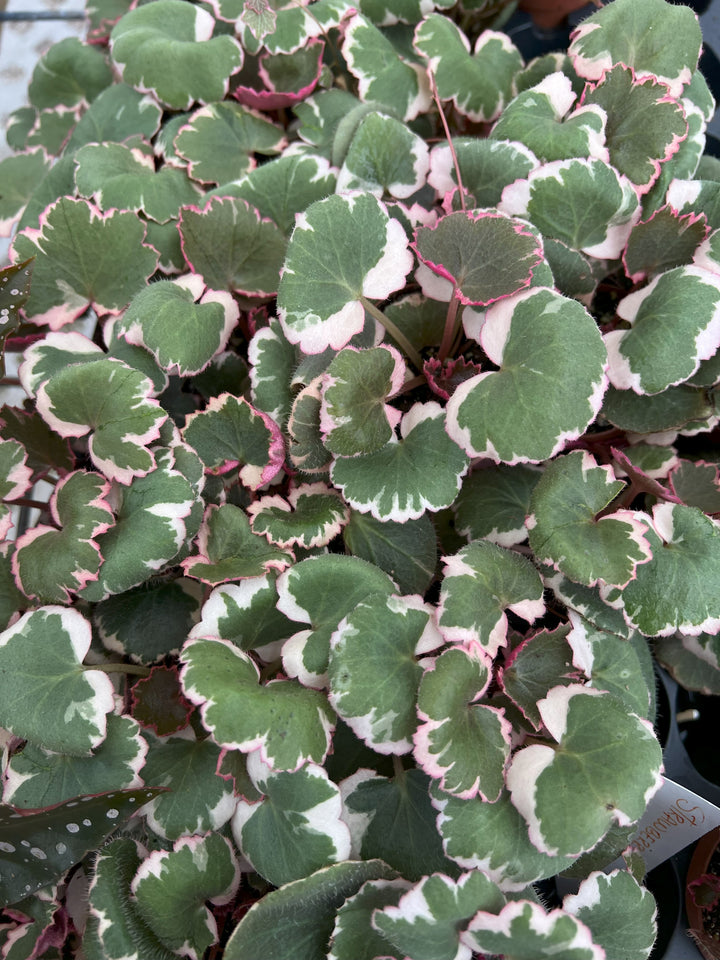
(665, 240)
(384, 156)
(117, 114)
(406, 551)
(70, 74)
(486, 166)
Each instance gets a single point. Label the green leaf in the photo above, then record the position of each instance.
(354, 938)
(480, 582)
(685, 666)
(116, 114)
(324, 245)
(158, 704)
(45, 449)
(70, 74)
(484, 254)
(83, 258)
(478, 83)
(665, 240)
(286, 722)
(15, 479)
(312, 516)
(57, 838)
(373, 673)
(527, 337)
(172, 886)
(49, 564)
(530, 932)
(169, 51)
(697, 484)
(494, 502)
(535, 666)
(14, 292)
(674, 408)
(420, 471)
(296, 828)
(486, 167)
(463, 744)
(607, 767)
(20, 176)
(296, 921)
(306, 451)
(272, 363)
(619, 912)
(406, 551)
(384, 156)
(46, 695)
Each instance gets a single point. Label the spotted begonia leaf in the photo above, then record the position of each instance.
(354, 417)
(561, 390)
(286, 722)
(197, 800)
(675, 590)
(395, 816)
(665, 240)
(619, 913)
(70, 74)
(295, 829)
(20, 176)
(645, 125)
(110, 401)
(83, 258)
(328, 312)
(312, 516)
(427, 921)
(150, 528)
(117, 114)
(229, 550)
(534, 666)
(50, 563)
(296, 921)
(492, 837)
(180, 322)
(481, 581)
(494, 502)
(422, 470)
(353, 936)
(478, 83)
(320, 591)
(607, 767)
(384, 76)
(647, 36)
(564, 528)
(584, 203)
(46, 695)
(373, 672)
(384, 156)
(230, 432)
(57, 838)
(171, 888)
(169, 51)
(529, 931)
(36, 777)
(15, 479)
(485, 255)
(486, 167)
(463, 744)
(14, 292)
(675, 323)
(219, 141)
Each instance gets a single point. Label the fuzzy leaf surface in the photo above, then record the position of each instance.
(406, 551)
(526, 929)
(312, 516)
(537, 664)
(354, 936)
(245, 614)
(620, 913)
(384, 156)
(494, 502)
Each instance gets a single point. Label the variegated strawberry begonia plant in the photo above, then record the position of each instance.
(374, 370)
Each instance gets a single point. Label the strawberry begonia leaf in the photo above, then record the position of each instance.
(463, 744)
(52, 354)
(643, 35)
(675, 323)
(328, 312)
(197, 799)
(38, 923)
(587, 602)
(12, 601)
(395, 817)
(181, 323)
(420, 471)
(245, 614)
(232, 247)
(306, 451)
(354, 417)
(534, 666)
(49, 564)
(83, 258)
(481, 582)
(169, 51)
(230, 432)
(20, 176)
(353, 937)
(406, 551)
(46, 695)
(619, 913)
(312, 516)
(494, 502)
(219, 141)
(70, 74)
(273, 362)
(117, 114)
(158, 704)
(277, 80)
(607, 767)
(665, 240)
(295, 829)
(561, 390)
(675, 590)
(685, 667)
(110, 401)
(320, 591)
(229, 550)
(564, 529)
(484, 254)
(486, 167)
(478, 83)
(58, 838)
(37, 777)
(526, 929)
(171, 888)
(150, 528)
(674, 408)
(296, 921)
(294, 26)
(426, 922)
(384, 156)
(15, 479)
(288, 723)
(492, 837)
(697, 484)
(373, 672)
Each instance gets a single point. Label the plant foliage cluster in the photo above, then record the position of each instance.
(374, 372)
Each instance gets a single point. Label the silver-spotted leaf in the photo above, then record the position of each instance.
(15, 479)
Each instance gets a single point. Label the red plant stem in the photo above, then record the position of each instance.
(446, 128)
(450, 326)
